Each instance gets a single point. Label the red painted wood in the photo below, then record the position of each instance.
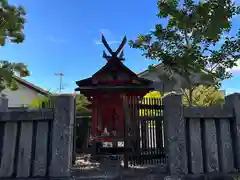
(94, 117)
(112, 105)
(107, 102)
(116, 82)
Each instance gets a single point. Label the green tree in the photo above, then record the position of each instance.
(38, 102)
(12, 19)
(204, 96)
(191, 42)
(7, 71)
(153, 94)
(81, 103)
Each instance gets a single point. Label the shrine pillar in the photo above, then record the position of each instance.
(94, 117)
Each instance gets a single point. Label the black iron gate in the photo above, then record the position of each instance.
(144, 132)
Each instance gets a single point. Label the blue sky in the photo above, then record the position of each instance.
(64, 37)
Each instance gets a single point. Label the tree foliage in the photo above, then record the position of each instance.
(153, 94)
(81, 103)
(8, 70)
(204, 96)
(38, 102)
(12, 20)
(196, 39)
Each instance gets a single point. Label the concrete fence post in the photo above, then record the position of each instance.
(234, 101)
(3, 104)
(62, 136)
(174, 127)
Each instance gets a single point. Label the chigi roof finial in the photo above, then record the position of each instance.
(114, 55)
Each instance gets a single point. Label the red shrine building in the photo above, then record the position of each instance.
(106, 89)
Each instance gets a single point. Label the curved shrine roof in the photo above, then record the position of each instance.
(113, 73)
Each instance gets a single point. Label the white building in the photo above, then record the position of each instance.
(174, 81)
(25, 94)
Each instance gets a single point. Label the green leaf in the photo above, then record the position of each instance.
(11, 23)
(7, 71)
(204, 96)
(187, 43)
(82, 103)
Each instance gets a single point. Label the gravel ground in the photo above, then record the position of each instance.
(104, 168)
(112, 168)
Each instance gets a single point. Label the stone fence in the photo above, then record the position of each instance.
(202, 140)
(37, 143)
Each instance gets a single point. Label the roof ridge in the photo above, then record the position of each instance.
(147, 70)
(31, 86)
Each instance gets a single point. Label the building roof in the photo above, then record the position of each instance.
(147, 70)
(163, 68)
(113, 66)
(31, 86)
